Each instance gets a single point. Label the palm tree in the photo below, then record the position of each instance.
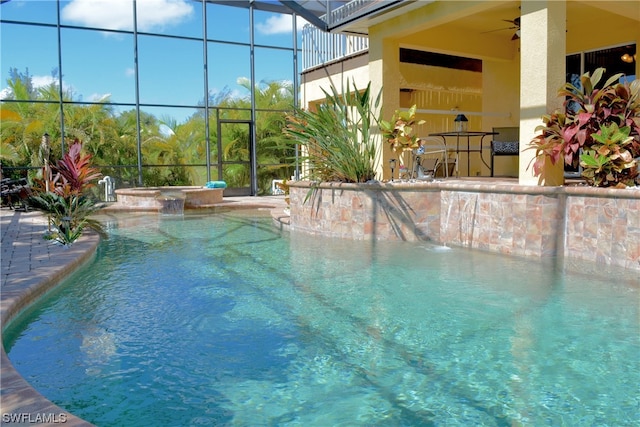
(192, 143)
(273, 100)
(113, 142)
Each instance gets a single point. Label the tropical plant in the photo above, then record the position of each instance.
(69, 215)
(588, 109)
(609, 161)
(170, 157)
(66, 205)
(273, 149)
(338, 137)
(399, 132)
(76, 171)
(286, 189)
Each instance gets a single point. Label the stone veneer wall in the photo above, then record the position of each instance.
(156, 198)
(582, 223)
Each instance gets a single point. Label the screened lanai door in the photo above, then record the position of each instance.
(235, 157)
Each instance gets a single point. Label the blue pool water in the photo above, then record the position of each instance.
(222, 320)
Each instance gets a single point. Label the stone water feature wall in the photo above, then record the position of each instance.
(167, 199)
(582, 223)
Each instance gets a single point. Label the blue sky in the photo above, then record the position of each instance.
(98, 64)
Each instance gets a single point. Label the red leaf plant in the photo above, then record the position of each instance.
(75, 171)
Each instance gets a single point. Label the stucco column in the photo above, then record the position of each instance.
(384, 73)
(542, 73)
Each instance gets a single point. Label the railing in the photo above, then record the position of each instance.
(355, 9)
(319, 48)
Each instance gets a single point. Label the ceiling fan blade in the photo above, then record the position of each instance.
(515, 21)
(515, 26)
(500, 29)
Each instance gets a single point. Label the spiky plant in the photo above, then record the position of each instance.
(337, 138)
(65, 204)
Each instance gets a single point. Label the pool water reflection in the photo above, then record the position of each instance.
(221, 320)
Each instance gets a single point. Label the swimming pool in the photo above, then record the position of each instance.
(222, 320)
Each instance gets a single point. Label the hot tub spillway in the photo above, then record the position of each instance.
(171, 203)
(167, 200)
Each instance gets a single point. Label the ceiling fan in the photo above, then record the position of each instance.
(515, 25)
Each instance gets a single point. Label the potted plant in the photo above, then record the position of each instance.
(399, 133)
(598, 128)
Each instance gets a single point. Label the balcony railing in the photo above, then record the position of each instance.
(319, 48)
(355, 9)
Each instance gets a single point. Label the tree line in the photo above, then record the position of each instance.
(172, 153)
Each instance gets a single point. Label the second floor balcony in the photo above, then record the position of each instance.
(320, 48)
(340, 28)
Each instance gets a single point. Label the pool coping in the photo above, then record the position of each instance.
(48, 265)
(20, 402)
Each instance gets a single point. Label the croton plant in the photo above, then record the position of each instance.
(399, 132)
(598, 128)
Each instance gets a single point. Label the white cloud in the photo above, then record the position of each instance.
(42, 81)
(281, 24)
(243, 81)
(37, 82)
(225, 92)
(301, 22)
(118, 14)
(5, 93)
(153, 15)
(99, 97)
(165, 130)
(129, 72)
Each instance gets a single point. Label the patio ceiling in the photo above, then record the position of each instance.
(315, 8)
(311, 10)
(490, 20)
(361, 15)
(475, 18)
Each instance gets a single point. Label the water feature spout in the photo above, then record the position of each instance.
(171, 203)
(445, 225)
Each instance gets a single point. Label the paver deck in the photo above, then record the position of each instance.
(30, 266)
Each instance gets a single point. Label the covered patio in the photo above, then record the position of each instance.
(498, 63)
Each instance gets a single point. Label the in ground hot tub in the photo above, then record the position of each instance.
(167, 199)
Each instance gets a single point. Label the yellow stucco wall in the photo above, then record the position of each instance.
(488, 99)
(541, 74)
(311, 89)
(501, 105)
(439, 95)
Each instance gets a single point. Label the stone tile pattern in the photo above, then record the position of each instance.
(362, 213)
(582, 223)
(151, 199)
